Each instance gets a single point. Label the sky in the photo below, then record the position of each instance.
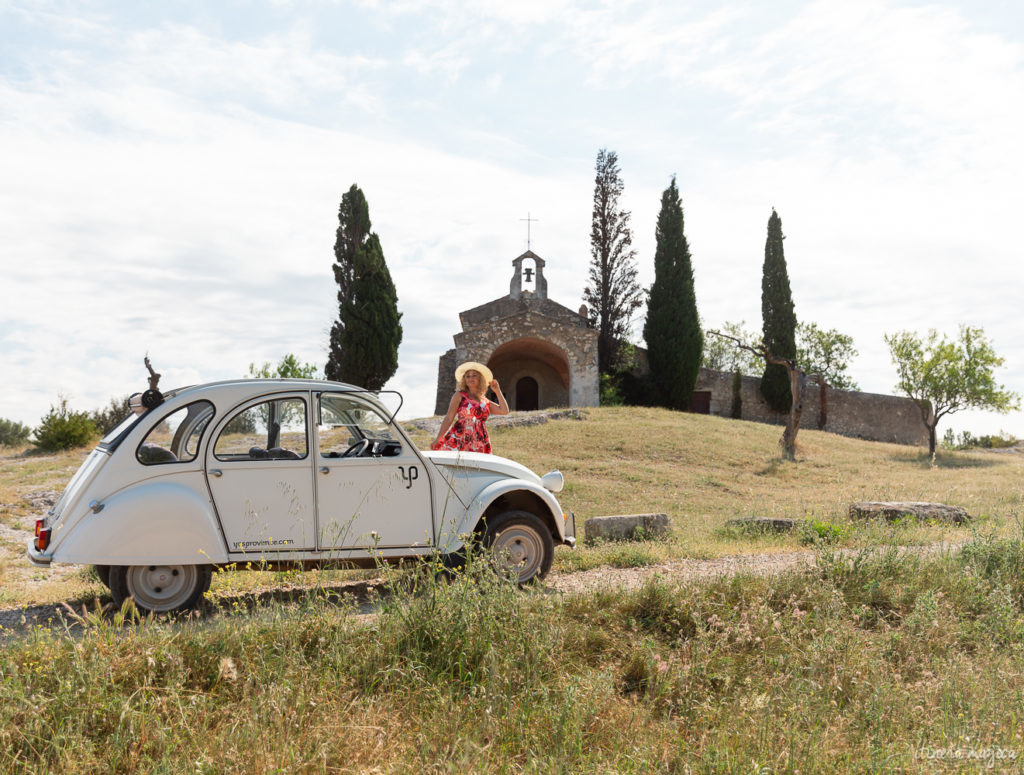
(170, 173)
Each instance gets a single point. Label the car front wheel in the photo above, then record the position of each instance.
(160, 588)
(522, 544)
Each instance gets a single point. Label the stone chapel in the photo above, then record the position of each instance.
(542, 353)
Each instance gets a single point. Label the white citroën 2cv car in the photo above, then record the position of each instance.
(284, 471)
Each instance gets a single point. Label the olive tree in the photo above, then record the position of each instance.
(826, 352)
(944, 375)
(288, 367)
(722, 355)
(798, 381)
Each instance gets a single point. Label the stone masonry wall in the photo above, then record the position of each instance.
(870, 416)
(445, 380)
(579, 345)
(507, 307)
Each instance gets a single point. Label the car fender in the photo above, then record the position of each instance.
(491, 493)
(160, 521)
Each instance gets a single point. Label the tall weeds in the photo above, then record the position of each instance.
(857, 665)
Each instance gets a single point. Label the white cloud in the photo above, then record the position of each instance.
(172, 187)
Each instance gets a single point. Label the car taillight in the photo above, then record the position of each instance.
(42, 534)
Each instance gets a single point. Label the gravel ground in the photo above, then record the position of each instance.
(19, 620)
(22, 619)
(683, 570)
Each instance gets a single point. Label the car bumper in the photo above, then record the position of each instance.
(35, 556)
(570, 530)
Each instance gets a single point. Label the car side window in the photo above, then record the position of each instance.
(271, 430)
(175, 438)
(349, 427)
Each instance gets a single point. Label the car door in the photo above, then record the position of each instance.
(261, 476)
(371, 489)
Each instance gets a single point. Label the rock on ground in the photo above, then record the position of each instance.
(627, 527)
(893, 510)
(764, 524)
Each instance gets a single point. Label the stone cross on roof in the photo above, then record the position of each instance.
(528, 220)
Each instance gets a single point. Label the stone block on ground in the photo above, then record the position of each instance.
(764, 524)
(627, 527)
(893, 510)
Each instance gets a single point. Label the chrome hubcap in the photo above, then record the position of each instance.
(519, 549)
(161, 587)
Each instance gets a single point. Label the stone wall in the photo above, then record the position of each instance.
(577, 346)
(565, 359)
(507, 307)
(551, 391)
(445, 380)
(870, 416)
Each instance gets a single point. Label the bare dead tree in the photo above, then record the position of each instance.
(798, 380)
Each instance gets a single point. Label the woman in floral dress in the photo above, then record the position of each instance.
(463, 426)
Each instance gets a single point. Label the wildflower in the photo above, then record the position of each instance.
(228, 671)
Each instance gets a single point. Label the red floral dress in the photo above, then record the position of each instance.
(468, 432)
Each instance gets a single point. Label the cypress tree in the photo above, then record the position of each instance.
(365, 337)
(612, 292)
(779, 318)
(675, 342)
(736, 412)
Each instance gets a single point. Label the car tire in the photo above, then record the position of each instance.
(520, 541)
(103, 573)
(160, 589)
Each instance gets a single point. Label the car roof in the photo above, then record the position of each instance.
(260, 384)
(233, 390)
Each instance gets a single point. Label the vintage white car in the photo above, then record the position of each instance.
(270, 472)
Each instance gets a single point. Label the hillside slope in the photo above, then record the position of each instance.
(700, 470)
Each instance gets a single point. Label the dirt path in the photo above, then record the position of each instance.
(683, 570)
(20, 620)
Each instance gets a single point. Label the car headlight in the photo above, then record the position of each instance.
(553, 481)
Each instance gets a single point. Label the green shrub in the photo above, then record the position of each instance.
(819, 531)
(13, 433)
(660, 609)
(968, 440)
(62, 428)
(610, 393)
(450, 632)
(107, 419)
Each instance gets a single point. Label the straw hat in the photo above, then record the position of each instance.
(483, 371)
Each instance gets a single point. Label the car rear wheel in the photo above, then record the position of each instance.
(103, 573)
(521, 543)
(160, 588)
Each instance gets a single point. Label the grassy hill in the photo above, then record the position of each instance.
(700, 470)
(703, 470)
(874, 661)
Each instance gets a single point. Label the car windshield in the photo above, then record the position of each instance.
(121, 427)
(110, 440)
(354, 417)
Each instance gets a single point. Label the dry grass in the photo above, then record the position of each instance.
(700, 470)
(868, 664)
(703, 471)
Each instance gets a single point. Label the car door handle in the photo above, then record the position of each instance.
(325, 470)
(216, 472)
